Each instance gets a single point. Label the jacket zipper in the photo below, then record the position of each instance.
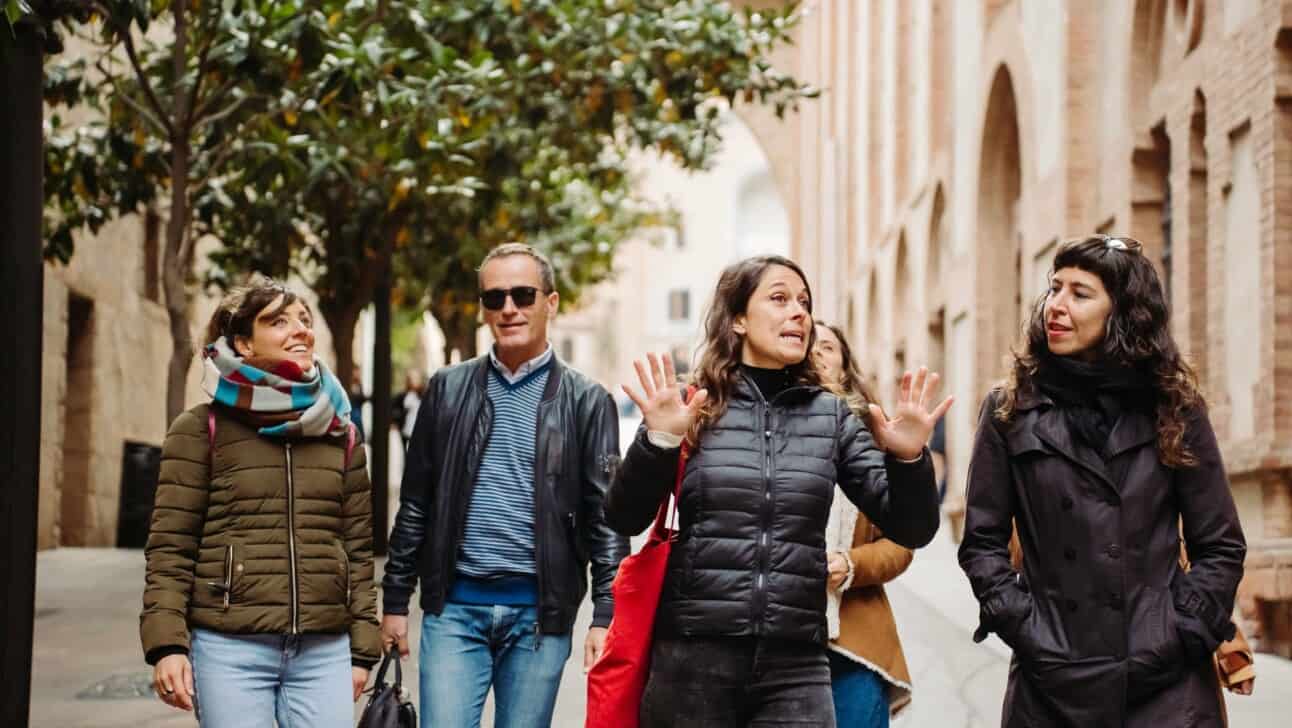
(228, 574)
(540, 481)
(291, 542)
(760, 584)
(345, 559)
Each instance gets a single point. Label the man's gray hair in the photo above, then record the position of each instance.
(546, 275)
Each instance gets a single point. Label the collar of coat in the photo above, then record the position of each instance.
(1037, 420)
(745, 389)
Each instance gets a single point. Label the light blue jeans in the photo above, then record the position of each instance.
(469, 648)
(248, 681)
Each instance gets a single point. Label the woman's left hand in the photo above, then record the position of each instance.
(359, 677)
(905, 435)
(838, 568)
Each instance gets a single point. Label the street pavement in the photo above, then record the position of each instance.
(88, 671)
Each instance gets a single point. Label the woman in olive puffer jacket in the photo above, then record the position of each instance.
(741, 626)
(259, 602)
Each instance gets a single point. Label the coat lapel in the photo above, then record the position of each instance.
(1052, 429)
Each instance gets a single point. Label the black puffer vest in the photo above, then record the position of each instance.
(750, 557)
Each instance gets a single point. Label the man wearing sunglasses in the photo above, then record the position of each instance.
(500, 513)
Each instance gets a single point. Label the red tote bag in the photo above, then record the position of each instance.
(618, 677)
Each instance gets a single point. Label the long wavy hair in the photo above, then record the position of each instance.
(720, 359)
(1137, 335)
(852, 386)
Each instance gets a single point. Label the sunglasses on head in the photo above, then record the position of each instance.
(1129, 245)
(495, 298)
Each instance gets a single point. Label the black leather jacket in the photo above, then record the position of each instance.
(577, 447)
(750, 556)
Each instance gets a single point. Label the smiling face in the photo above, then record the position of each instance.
(520, 333)
(1076, 313)
(776, 326)
(828, 354)
(281, 333)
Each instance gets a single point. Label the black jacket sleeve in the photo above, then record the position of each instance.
(599, 422)
(1204, 596)
(643, 480)
(415, 492)
(900, 498)
(989, 524)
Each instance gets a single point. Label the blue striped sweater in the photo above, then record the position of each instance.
(499, 537)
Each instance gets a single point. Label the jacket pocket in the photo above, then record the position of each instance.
(224, 586)
(1156, 652)
(344, 562)
(576, 539)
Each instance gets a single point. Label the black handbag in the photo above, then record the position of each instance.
(387, 707)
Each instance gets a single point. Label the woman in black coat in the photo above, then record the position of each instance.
(1099, 448)
(741, 628)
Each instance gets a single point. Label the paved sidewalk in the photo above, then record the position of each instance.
(88, 671)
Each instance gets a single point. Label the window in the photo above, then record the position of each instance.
(679, 305)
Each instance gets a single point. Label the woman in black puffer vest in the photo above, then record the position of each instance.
(741, 628)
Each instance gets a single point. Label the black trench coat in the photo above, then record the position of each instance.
(1107, 630)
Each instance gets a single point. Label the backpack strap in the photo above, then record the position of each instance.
(210, 433)
(349, 448)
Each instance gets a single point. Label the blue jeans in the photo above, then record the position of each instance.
(860, 694)
(248, 681)
(469, 648)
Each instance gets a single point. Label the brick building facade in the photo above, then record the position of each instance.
(959, 141)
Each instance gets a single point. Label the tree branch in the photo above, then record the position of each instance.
(144, 82)
(130, 100)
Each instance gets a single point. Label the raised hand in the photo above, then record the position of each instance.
(904, 436)
(660, 400)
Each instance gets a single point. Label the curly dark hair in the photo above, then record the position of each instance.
(1138, 335)
(720, 359)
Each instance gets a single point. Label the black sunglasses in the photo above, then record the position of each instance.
(495, 298)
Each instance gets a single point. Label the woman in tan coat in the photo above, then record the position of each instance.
(868, 671)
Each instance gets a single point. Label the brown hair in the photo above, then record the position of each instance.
(720, 361)
(852, 389)
(236, 314)
(1138, 335)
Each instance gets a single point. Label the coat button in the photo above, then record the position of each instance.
(1115, 603)
(1071, 605)
(1114, 551)
(1070, 554)
(1067, 503)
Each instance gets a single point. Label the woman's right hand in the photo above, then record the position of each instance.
(660, 401)
(173, 681)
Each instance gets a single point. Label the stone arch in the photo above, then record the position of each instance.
(1147, 33)
(934, 290)
(1000, 188)
(902, 302)
(868, 356)
(1195, 286)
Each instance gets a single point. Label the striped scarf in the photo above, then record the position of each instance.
(276, 396)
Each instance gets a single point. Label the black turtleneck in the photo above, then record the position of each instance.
(770, 382)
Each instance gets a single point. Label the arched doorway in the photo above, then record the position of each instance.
(903, 337)
(999, 306)
(935, 309)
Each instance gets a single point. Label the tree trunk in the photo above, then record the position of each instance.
(342, 325)
(381, 395)
(459, 332)
(178, 259)
(21, 321)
